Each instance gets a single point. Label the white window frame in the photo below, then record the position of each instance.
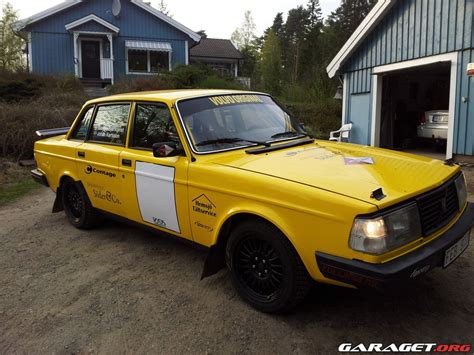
(148, 72)
(378, 73)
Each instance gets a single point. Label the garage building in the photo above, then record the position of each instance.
(405, 66)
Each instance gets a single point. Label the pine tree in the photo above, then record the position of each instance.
(347, 17)
(271, 64)
(295, 35)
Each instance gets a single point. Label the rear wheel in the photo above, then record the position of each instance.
(266, 270)
(77, 206)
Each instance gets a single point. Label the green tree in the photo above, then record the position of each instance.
(311, 58)
(293, 45)
(271, 64)
(11, 45)
(346, 18)
(245, 34)
(249, 64)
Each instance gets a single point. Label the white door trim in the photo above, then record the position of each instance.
(377, 93)
(345, 97)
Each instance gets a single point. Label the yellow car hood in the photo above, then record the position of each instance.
(323, 165)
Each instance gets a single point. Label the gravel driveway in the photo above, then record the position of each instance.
(122, 289)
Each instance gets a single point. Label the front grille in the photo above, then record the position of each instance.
(438, 207)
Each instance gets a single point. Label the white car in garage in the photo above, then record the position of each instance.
(434, 125)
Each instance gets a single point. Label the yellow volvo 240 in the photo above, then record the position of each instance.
(233, 171)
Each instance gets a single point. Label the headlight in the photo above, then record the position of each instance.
(461, 188)
(387, 232)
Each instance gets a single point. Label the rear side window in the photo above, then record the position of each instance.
(153, 124)
(80, 132)
(110, 124)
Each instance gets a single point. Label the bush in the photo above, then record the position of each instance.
(319, 118)
(197, 76)
(18, 86)
(30, 102)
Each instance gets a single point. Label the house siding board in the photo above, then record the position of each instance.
(45, 52)
(438, 27)
(133, 22)
(414, 29)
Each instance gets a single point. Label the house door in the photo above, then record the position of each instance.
(90, 59)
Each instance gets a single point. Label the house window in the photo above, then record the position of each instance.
(147, 61)
(159, 61)
(137, 61)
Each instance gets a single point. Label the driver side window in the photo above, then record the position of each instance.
(153, 124)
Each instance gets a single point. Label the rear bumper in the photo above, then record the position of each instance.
(39, 177)
(409, 266)
(432, 132)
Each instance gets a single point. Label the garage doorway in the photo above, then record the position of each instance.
(413, 106)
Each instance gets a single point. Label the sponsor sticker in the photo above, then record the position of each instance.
(235, 99)
(358, 161)
(203, 226)
(106, 196)
(203, 205)
(90, 170)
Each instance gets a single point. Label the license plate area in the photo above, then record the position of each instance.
(455, 250)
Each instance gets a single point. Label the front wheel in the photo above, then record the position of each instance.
(77, 206)
(266, 269)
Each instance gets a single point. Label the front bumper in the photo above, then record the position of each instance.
(427, 257)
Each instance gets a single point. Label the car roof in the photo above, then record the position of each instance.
(166, 95)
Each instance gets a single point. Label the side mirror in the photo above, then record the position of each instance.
(166, 149)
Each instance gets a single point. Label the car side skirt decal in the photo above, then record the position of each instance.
(156, 195)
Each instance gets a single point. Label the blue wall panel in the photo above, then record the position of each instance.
(410, 30)
(52, 53)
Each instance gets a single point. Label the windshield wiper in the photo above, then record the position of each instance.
(289, 134)
(230, 140)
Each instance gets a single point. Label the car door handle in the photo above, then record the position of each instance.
(81, 154)
(126, 162)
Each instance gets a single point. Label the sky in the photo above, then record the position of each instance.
(218, 18)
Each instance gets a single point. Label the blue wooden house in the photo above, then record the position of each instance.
(104, 40)
(406, 58)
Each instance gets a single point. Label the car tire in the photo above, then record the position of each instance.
(266, 270)
(77, 206)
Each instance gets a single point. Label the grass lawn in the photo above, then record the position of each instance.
(11, 191)
(15, 182)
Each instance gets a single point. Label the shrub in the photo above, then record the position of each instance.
(182, 77)
(319, 118)
(30, 102)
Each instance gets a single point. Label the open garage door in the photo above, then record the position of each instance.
(414, 107)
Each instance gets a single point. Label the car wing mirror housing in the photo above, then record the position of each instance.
(166, 149)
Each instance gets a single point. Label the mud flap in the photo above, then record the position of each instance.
(58, 201)
(215, 261)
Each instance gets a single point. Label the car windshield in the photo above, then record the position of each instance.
(231, 121)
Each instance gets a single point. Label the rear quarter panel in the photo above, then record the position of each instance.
(55, 157)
